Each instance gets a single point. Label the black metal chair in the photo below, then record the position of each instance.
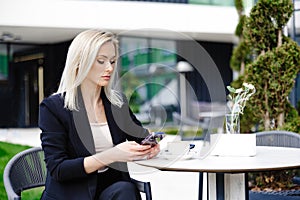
(278, 139)
(27, 170)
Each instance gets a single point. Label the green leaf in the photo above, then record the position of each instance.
(231, 89)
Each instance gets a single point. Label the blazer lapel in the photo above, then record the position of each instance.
(114, 119)
(82, 124)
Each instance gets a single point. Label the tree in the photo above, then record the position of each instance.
(241, 57)
(272, 62)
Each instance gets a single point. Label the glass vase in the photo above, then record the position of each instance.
(232, 123)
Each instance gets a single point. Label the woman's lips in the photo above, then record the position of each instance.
(106, 77)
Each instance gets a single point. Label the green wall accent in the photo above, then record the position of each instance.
(3, 65)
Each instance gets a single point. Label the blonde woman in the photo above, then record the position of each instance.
(88, 130)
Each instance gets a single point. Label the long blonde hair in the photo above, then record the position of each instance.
(80, 58)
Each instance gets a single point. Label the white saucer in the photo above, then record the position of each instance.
(169, 156)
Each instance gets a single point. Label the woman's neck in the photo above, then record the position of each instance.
(93, 104)
(91, 94)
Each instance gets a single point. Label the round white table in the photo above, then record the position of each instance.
(234, 168)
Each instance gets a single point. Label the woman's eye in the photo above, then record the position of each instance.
(112, 62)
(100, 61)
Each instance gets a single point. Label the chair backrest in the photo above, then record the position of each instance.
(24, 171)
(27, 170)
(144, 187)
(278, 138)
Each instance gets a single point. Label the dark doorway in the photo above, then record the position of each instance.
(26, 92)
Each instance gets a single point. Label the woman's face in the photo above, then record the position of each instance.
(103, 66)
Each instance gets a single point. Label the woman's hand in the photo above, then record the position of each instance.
(129, 151)
(154, 151)
(124, 152)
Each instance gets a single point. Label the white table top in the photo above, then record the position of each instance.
(267, 158)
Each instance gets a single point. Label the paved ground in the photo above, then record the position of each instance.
(164, 185)
(24, 136)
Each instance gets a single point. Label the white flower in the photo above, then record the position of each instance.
(249, 85)
(239, 97)
(238, 90)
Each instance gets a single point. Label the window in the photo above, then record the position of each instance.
(147, 69)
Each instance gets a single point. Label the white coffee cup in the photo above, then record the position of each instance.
(178, 147)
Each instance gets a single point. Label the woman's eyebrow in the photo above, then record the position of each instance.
(100, 55)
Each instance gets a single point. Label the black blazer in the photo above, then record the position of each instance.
(67, 138)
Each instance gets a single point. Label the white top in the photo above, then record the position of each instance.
(102, 139)
(102, 136)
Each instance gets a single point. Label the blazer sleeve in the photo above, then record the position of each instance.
(61, 161)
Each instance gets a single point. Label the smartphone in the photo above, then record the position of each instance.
(152, 138)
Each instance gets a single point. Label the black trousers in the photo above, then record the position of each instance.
(121, 190)
(111, 186)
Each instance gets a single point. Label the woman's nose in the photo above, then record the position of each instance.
(109, 67)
